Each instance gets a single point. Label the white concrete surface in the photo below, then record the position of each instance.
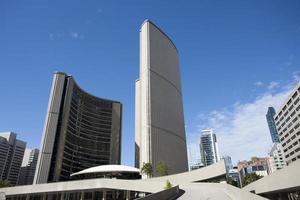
(281, 180)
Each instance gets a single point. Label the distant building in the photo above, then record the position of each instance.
(11, 155)
(209, 147)
(28, 167)
(228, 162)
(271, 123)
(287, 121)
(81, 131)
(256, 165)
(196, 165)
(235, 175)
(278, 160)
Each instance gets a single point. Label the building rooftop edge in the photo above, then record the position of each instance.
(149, 21)
(70, 76)
(286, 99)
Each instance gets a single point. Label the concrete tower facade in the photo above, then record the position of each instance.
(11, 155)
(28, 167)
(81, 131)
(159, 122)
(287, 121)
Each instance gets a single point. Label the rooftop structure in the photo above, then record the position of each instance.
(109, 171)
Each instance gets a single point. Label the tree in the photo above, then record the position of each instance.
(4, 183)
(162, 168)
(249, 178)
(168, 185)
(147, 169)
(231, 181)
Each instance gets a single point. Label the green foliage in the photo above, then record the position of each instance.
(249, 178)
(147, 169)
(230, 181)
(168, 185)
(4, 183)
(162, 168)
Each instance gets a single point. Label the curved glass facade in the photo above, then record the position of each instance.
(87, 133)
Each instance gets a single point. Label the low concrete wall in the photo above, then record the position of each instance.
(167, 194)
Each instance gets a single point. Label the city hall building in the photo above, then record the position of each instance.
(80, 131)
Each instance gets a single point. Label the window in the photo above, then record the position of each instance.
(296, 101)
(294, 95)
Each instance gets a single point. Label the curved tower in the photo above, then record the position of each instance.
(81, 131)
(159, 128)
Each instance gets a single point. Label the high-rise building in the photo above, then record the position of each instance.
(159, 120)
(209, 147)
(11, 155)
(235, 175)
(287, 121)
(28, 167)
(278, 159)
(81, 131)
(271, 123)
(228, 162)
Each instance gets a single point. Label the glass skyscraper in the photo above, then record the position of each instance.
(209, 147)
(271, 123)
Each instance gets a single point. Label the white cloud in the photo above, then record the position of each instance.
(241, 128)
(51, 36)
(99, 10)
(74, 35)
(272, 85)
(258, 83)
(61, 35)
(296, 76)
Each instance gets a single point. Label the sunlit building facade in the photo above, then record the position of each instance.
(81, 131)
(209, 147)
(11, 155)
(287, 121)
(159, 119)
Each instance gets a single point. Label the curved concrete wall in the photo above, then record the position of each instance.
(160, 133)
(81, 131)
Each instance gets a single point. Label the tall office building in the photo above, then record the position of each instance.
(11, 155)
(81, 131)
(228, 163)
(278, 159)
(287, 121)
(159, 120)
(28, 167)
(271, 123)
(209, 147)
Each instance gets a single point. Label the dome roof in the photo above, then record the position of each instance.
(108, 169)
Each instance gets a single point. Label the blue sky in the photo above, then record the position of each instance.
(233, 54)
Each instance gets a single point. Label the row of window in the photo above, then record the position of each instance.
(289, 103)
